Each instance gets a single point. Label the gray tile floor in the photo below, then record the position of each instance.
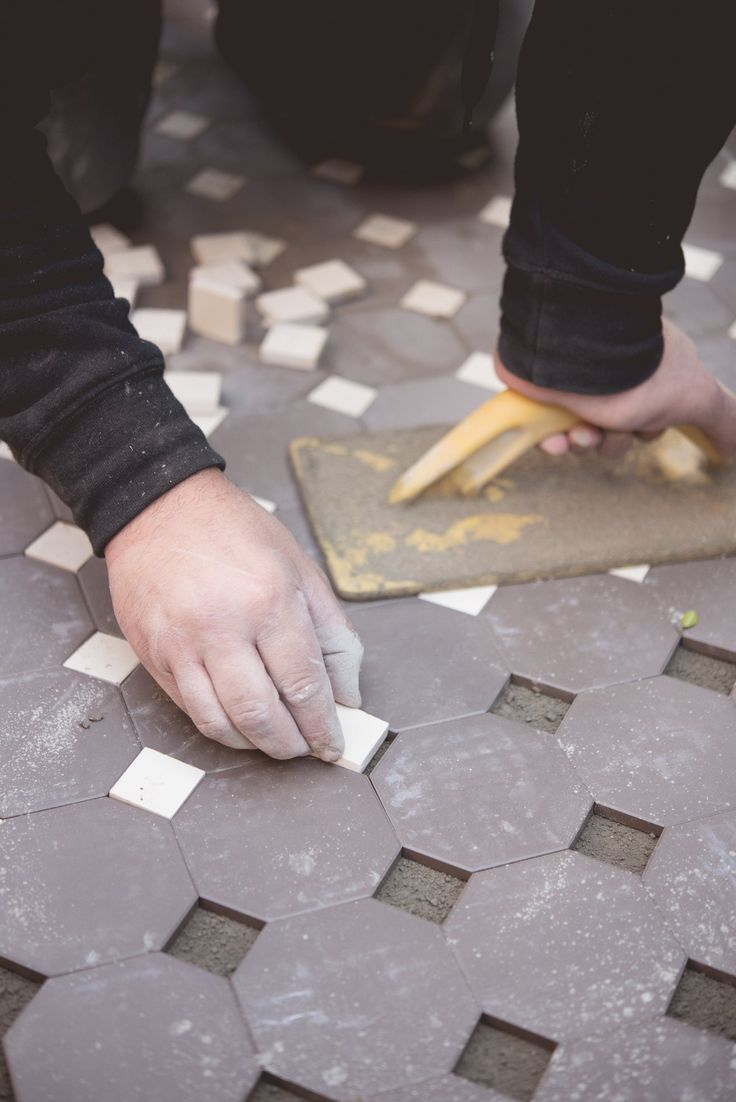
(531, 895)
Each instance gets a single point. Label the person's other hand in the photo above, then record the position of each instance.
(234, 620)
(680, 392)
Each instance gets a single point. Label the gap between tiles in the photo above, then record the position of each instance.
(706, 1000)
(700, 669)
(16, 991)
(504, 1059)
(268, 1089)
(212, 941)
(625, 847)
(420, 889)
(531, 706)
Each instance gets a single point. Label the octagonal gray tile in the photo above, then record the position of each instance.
(86, 884)
(424, 663)
(659, 751)
(152, 1028)
(441, 401)
(564, 945)
(25, 506)
(355, 1000)
(692, 876)
(43, 618)
(451, 1088)
(580, 633)
(278, 838)
(96, 589)
(660, 1061)
(65, 738)
(709, 589)
(477, 792)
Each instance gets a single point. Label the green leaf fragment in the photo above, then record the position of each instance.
(689, 619)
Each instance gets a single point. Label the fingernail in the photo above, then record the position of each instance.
(584, 438)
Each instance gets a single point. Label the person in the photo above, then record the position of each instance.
(621, 106)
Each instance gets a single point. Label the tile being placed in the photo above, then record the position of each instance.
(343, 396)
(497, 212)
(382, 229)
(164, 328)
(442, 401)
(25, 507)
(291, 345)
(659, 751)
(108, 239)
(424, 663)
(580, 633)
(471, 600)
(182, 125)
(701, 264)
(65, 738)
(331, 280)
(363, 735)
(291, 304)
(43, 616)
(87, 884)
(141, 263)
(95, 586)
(156, 783)
(198, 391)
(692, 876)
(479, 370)
(436, 300)
(660, 1061)
(213, 183)
(478, 792)
(278, 838)
(563, 946)
(394, 1012)
(107, 657)
(254, 249)
(150, 1028)
(709, 589)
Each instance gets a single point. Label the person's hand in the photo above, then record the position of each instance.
(234, 620)
(680, 392)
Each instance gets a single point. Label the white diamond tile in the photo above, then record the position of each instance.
(632, 573)
(213, 183)
(198, 391)
(471, 600)
(728, 176)
(332, 280)
(157, 783)
(232, 273)
(291, 304)
(108, 239)
(701, 264)
(106, 657)
(291, 345)
(141, 263)
(269, 506)
(343, 396)
(363, 734)
(5, 452)
(382, 229)
(479, 370)
(497, 212)
(182, 125)
(435, 300)
(62, 545)
(164, 328)
(337, 171)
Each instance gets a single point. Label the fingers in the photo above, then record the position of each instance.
(339, 642)
(588, 438)
(249, 698)
(196, 696)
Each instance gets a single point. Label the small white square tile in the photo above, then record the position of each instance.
(252, 248)
(497, 212)
(198, 391)
(106, 657)
(471, 600)
(269, 506)
(233, 273)
(479, 370)
(343, 396)
(124, 287)
(182, 125)
(363, 734)
(382, 229)
(631, 573)
(157, 783)
(701, 264)
(332, 280)
(62, 545)
(141, 263)
(208, 422)
(728, 176)
(108, 239)
(164, 328)
(290, 345)
(5, 452)
(212, 183)
(337, 171)
(291, 304)
(436, 300)
(217, 310)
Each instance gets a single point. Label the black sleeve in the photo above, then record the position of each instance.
(83, 403)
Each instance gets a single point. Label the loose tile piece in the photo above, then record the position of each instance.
(382, 229)
(278, 838)
(436, 300)
(631, 573)
(164, 328)
(332, 280)
(182, 125)
(43, 616)
(25, 507)
(337, 171)
(213, 183)
(478, 792)
(576, 947)
(156, 783)
(497, 212)
(62, 545)
(198, 391)
(579, 633)
(424, 663)
(728, 176)
(234, 273)
(290, 345)
(692, 876)
(208, 422)
(708, 588)
(216, 309)
(125, 287)
(152, 1027)
(86, 884)
(701, 264)
(479, 370)
(324, 1034)
(291, 304)
(343, 396)
(660, 751)
(471, 600)
(660, 1061)
(106, 657)
(363, 735)
(252, 248)
(108, 239)
(141, 263)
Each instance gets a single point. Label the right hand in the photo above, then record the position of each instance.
(234, 620)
